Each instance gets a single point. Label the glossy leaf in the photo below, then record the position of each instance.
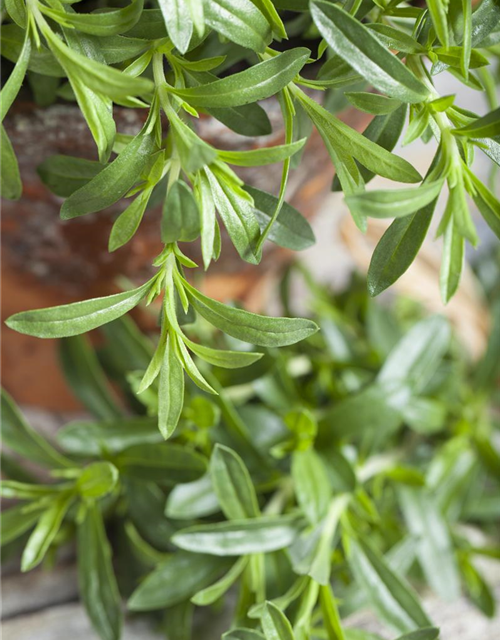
(392, 598)
(239, 537)
(45, 531)
(239, 21)
(192, 500)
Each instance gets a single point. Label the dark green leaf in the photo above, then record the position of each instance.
(176, 580)
(290, 230)
(114, 181)
(21, 438)
(64, 175)
(86, 378)
(162, 463)
(98, 588)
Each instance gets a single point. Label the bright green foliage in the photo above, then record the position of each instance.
(273, 477)
(323, 478)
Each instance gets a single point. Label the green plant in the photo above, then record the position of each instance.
(166, 61)
(319, 480)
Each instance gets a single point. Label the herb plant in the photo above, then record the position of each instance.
(166, 62)
(320, 476)
(320, 480)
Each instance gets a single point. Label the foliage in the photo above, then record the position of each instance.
(177, 59)
(322, 478)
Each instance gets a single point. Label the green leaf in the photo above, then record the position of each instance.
(194, 152)
(372, 102)
(451, 262)
(374, 157)
(398, 248)
(396, 39)
(222, 358)
(250, 327)
(15, 80)
(146, 502)
(331, 618)
(163, 463)
(385, 131)
(275, 624)
(78, 317)
(486, 127)
(97, 480)
(233, 485)
(239, 21)
(415, 358)
(100, 78)
(484, 20)
(192, 500)
(239, 537)
(392, 598)
(390, 203)
(170, 392)
(435, 551)
(236, 210)
(16, 521)
(429, 633)
(178, 21)
(176, 580)
(438, 10)
(260, 81)
(11, 186)
(312, 486)
(21, 438)
(180, 218)
(64, 175)
(128, 221)
(263, 156)
(242, 634)
(93, 438)
(28, 490)
(290, 230)
(358, 46)
(86, 378)
(100, 23)
(211, 594)
(96, 578)
(45, 531)
(114, 181)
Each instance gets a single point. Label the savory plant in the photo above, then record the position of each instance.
(185, 57)
(323, 478)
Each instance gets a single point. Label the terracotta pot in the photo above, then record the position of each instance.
(47, 261)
